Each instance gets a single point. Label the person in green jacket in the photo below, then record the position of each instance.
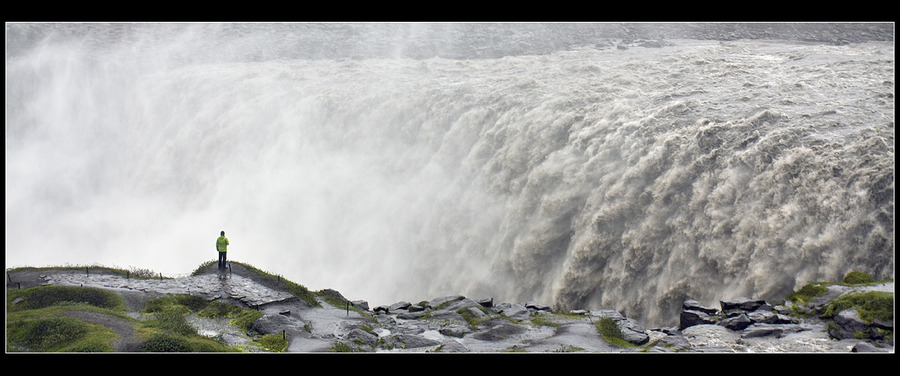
(222, 247)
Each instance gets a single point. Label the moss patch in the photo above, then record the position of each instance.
(858, 278)
(611, 332)
(46, 296)
(870, 305)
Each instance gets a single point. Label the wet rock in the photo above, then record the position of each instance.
(272, 324)
(848, 325)
(769, 317)
(514, 311)
(537, 306)
(486, 302)
(711, 338)
(455, 330)
(407, 341)
(496, 330)
(458, 305)
(411, 315)
(451, 345)
(608, 313)
(865, 347)
(362, 336)
(399, 306)
(475, 312)
(447, 317)
(776, 330)
(693, 305)
(438, 302)
(633, 331)
(675, 342)
(743, 304)
(739, 322)
(881, 324)
(693, 318)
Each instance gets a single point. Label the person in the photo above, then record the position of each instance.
(222, 248)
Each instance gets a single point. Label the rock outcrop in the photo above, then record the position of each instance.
(459, 324)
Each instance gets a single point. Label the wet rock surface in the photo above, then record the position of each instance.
(459, 324)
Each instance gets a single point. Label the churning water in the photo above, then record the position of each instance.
(583, 177)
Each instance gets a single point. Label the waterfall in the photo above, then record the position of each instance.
(583, 177)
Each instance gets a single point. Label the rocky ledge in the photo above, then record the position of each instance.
(461, 324)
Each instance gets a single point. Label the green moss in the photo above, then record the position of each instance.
(129, 273)
(192, 302)
(342, 347)
(166, 342)
(471, 319)
(220, 309)
(858, 278)
(46, 296)
(245, 319)
(46, 334)
(807, 293)
(544, 319)
(273, 342)
(163, 342)
(870, 305)
(173, 321)
(611, 332)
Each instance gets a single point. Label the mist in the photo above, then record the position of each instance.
(401, 162)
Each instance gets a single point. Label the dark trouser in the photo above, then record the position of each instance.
(222, 260)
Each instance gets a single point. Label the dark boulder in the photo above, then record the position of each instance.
(848, 325)
(537, 306)
(739, 322)
(777, 330)
(693, 305)
(399, 306)
(272, 324)
(362, 336)
(743, 304)
(769, 317)
(486, 302)
(691, 318)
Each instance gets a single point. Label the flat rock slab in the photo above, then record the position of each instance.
(213, 286)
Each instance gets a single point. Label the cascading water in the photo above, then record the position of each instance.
(581, 176)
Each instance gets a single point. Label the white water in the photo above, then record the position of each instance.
(585, 178)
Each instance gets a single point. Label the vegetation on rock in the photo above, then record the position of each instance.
(41, 319)
(858, 278)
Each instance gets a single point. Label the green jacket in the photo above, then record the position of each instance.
(222, 243)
